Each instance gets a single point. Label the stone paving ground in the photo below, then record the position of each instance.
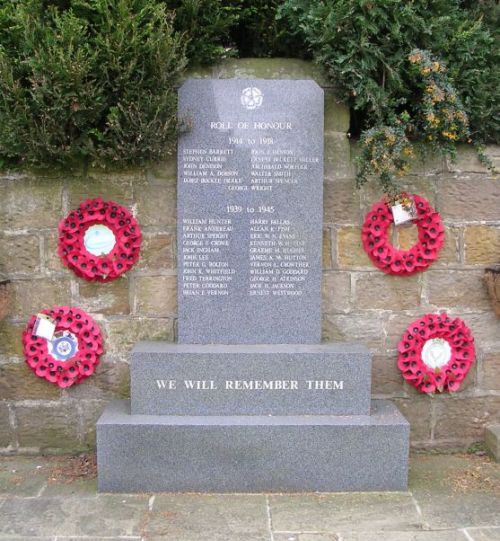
(451, 498)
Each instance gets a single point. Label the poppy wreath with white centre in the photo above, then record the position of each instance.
(72, 357)
(118, 229)
(443, 369)
(391, 260)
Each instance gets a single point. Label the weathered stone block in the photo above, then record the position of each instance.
(161, 172)
(156, 204)
(20, 254)
(492, 440)
(482, 243)
(338, 162)
(48, 428)
(110, 380)
(386, 292)
(490, 372)
(463, 419)
(386, 376)
(417, 410)
(467, 161)
(123, 334)
(336, 289)
(10, 339)
(111, 298)
(156, 295)
(327, 249)
(266, 68)
(405, 237)
(6, 432)
(18, 382)
(458, 289)
(371, 192)
(51, 260)
(428, 165)
(460, 202)
(340, 202)
(337, 114)
(157, 252)
(31, 296)
(91, 411)
(359, 327)
(450, 252)
(30, 203)
(350, 251)
(114, 186)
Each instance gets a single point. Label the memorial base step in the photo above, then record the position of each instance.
(184, 379)
(221, 454)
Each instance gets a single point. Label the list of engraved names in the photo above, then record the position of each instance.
(277, 259)
(250, 177)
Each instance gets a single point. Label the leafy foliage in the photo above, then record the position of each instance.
(364, 46)
(208, 25)
(94, 80)
(385, 152)
(260, 32)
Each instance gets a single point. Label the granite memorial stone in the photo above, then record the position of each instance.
(178, 379)
(250, 193)
(249, 400)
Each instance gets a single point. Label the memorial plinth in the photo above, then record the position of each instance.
(248, 400)
(179, 379)
(252, 453)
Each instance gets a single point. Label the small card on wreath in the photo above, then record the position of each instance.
(44, 327)
(403, 209)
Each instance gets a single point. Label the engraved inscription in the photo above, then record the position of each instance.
(250, 385)
(249, 238)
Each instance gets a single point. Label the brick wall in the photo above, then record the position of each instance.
(360, 303)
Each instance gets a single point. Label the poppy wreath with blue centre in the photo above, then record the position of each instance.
(123, 252)
(80, 346)
(391, 260)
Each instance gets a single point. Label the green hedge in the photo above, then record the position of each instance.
(96, 79)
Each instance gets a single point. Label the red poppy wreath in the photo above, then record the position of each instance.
(436, 353)
(74, 351)
(403, 262)
(100, 240)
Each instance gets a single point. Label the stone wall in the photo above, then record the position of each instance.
(360, 303)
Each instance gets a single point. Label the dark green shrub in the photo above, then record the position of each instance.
(96, 80)
(364, 46)
(261, 33)
(208, 25)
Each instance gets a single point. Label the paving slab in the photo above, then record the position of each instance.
(441, 535)
(344, 512)
(111, 515)
(456, 491)
(23, 538)
(22, 476)
(460, 490)
(85, 538)
(306, 537)
(483, 534)
(193, 517)
(32, 517)
(81, 488)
